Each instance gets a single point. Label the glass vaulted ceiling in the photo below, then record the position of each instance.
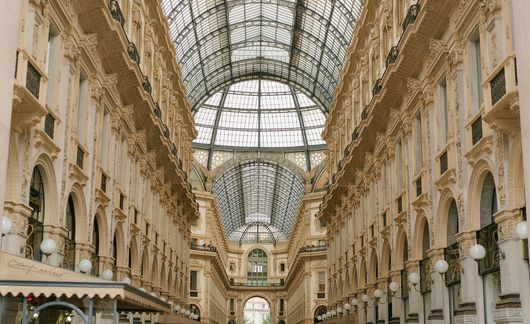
(302, 43)
(258, 201)
(259, 114)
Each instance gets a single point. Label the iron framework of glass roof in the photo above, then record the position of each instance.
(259, 115)
(258, 199)
(302, 43)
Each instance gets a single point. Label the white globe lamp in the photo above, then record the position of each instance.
(393, 286)
(365, 298)
(477, 252)
(48, 246)
(126, 280)
(355, 302)
(414, 278)
(347, 306)
(521, 229)
(107, 274)
(85, 266)
(441, 266)
(378, 293)
(319, 317)
(6, 225)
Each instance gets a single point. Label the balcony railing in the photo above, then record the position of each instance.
(204, 247)
(116, 13)
(173, 149)
(165, 131)
(498, 87)
(133, 52)
(146, 85)
(443, 163)
(80, 157)
(258, 283)
(476, 130)
(313, 248)
(49, 125)
(412, 14)
(33, 78)
(418, 187)
(488, 237)
(377, 87)
(364, 113)
(157, 111)
(103, 182)
(355, 134)
(392, 56)
(452, 257)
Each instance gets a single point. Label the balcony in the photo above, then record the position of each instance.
(204, 247)
(412, 14)
(364, 113)
(29, 95)
(116, 13)
(392, 56)
(133, 52)
(258, 283)
(312, 248)
(377, 87)
(146, 85)
(501, 95)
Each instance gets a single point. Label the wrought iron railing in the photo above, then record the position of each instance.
(418, 187)
(412, 14)
(33, 78)
(377, 87)
(355, 134)
(452, 257)
(49, 125)
(476, 130)
(443, 163)
(80, 157)
(116, 13)
(364, 113)
(257, 283)
(133, 52)
(498, 87)
(103, 182)
(425, 276)
(157, 111)
(488, 237)
(316, 248)
(392, 56)
(69, 254)
(204, 247)
(146, 84)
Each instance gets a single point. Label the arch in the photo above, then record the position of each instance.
(103, 227)
(133, 261)
(516, 189)
(421, 233)
(386, 259)
(401, 250)
(319, 311)
(196, 309)
(354, 277)
(257, 264)
(362, 274)
(45, 165)
(488, 200)
(119, 242)
(445, 217)
(155, 279)
(482, 168)
(144, 267)
(81, 219)
(373, 271)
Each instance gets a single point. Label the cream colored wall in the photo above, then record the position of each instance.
(152, 184)
(365, 185)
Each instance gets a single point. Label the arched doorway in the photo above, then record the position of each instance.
(256, 311)
(321, 310)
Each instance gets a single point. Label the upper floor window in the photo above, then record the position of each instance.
(475, 64)
(51, 65)
(442, 113)
(323, 223)
(81, 103)
(257, 265)
(418, 138)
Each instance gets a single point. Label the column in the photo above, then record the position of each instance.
(9, 22)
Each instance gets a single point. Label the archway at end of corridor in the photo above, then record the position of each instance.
(256, 311)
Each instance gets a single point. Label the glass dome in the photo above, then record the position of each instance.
(259, 114)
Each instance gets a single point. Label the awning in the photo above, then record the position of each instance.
(25, 276)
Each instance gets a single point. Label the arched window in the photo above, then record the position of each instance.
(95, 242)
(69, 256)
(36, 220)
(257, 266)
(452, 257)
(425, 269)
(487, 236)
